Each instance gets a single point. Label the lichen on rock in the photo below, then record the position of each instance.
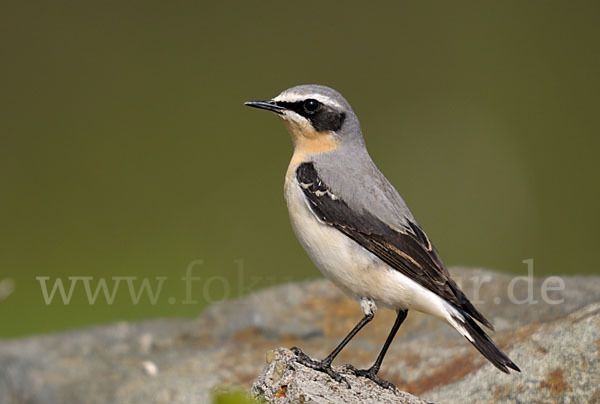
(286, 381)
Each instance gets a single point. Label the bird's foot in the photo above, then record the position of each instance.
(370, 374)
(322, 366)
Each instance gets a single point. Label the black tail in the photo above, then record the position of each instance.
(485, 345)
(467, 306)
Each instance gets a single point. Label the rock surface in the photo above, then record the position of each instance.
(555, 341)
(285, 381)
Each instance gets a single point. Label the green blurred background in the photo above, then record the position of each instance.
(126, 150)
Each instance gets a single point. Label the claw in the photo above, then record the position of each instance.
(370, 374)
(321, 366)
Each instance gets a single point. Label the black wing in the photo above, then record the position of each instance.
(408, 250)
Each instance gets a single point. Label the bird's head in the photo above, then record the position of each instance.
(317, 117)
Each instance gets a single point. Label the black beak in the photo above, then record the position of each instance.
(269, 105)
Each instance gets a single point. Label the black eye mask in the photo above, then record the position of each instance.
(321, 116)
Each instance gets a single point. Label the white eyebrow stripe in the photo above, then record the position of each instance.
(293, 97)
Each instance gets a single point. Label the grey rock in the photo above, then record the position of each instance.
(182, 361)
(559, 360)
(285, 381)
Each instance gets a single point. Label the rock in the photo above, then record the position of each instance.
(286, 381)
(182, 361)
(559, 360)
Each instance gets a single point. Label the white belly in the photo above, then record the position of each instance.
(351, 267)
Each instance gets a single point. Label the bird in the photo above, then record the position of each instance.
(359, 232)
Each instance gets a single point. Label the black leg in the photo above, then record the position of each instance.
(325, 364)
(399, 320)
(363, 321)
(371, 373)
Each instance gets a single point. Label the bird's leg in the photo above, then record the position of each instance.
(371, 373)
(325, 364)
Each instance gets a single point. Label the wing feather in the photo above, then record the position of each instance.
(408, 250)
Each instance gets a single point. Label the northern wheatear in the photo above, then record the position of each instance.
(359, 232)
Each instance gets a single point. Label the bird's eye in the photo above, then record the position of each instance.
(311, 105)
